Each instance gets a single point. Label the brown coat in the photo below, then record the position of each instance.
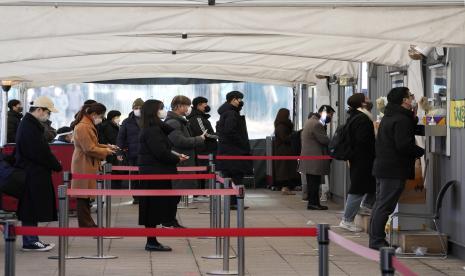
(87, 153)
(315, 142)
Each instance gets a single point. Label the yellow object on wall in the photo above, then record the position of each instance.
(457, 113)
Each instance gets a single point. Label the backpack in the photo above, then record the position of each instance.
(340, 146)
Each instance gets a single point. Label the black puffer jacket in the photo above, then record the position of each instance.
(128, 136)
(396, 150)
(14, 118)
(233, 139)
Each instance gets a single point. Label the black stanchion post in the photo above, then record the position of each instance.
(107, 169)
(61, 223)
(240, 224)
(63, 218)
(100, 254)
(385, 261)
(323, 249)
(9, 234)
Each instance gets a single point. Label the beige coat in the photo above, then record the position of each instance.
(87, 154)
(315, 142)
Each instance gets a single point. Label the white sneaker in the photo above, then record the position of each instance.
(324, 197)
(364, 210)
(350, 226)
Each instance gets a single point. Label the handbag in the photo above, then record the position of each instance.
(12, 180)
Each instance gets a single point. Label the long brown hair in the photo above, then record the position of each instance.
(149, 113)
(88, 109)
(282, 117)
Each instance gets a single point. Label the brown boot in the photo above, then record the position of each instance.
(83, 213)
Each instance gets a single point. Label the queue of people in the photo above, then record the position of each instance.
(158, 142)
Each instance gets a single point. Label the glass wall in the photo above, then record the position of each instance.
(262, 101)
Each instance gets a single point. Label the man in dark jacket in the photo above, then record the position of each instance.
(14, 117)
(183, 142)
(33, 154)
(128, 137)
(396, 152)
(198, 124)
(233, 139)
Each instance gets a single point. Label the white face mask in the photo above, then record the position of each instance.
(162, 114)
(137, 112)
(117, 121)
(97, 121)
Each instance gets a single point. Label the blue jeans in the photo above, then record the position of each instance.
(28, 240)
(353, 205)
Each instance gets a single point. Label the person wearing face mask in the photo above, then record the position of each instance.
(87, 155)
(49, 132)
(183, 142)
(315, 142)
(33, 154)
(233, 139)
(362, 183)
(394, 163)
(128, 138)
(198, 124)
(107, 135)
(14, 118)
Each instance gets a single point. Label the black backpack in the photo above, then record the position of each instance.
(340, 146)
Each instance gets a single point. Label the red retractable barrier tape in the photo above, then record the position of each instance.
(96, 192)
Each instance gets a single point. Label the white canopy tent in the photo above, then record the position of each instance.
(280, 42)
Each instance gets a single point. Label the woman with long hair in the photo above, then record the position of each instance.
(155, 157)
(87, 155)
(286, 175)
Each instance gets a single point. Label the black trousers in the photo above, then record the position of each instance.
(313, 187)
(388, 191)
(237, 179)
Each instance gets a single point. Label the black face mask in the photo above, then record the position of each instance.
(207, 109)
(241, 104)
(328, 119)
(20, 110)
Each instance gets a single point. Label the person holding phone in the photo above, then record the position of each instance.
(156, 157)
(183, 143)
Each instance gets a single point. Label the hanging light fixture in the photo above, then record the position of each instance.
(417, 53)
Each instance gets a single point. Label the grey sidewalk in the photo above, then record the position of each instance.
(264, 256)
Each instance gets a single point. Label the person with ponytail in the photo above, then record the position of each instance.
(87, 155)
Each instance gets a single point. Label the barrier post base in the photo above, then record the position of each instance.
(66, 257)
(222, 272)
(112, 238)
(215, 257)
(103, 257)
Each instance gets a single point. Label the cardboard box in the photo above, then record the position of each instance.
(426, 239)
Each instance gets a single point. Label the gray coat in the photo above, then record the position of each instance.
(315, 142)
(182, 142)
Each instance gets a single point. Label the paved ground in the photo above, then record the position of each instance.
(264, 256)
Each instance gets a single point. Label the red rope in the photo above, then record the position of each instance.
(402, 268)
(180, 192)
(180, 169)
(143, 176)
(145, 232)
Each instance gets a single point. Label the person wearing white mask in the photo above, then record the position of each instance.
(128, 138)
(87, 155)
(183, 143)
(33, 154)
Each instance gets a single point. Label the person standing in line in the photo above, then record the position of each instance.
(156, 157)
(108, 133)
(87, 155)
(233, 139)
(183, 142)
(396, 153)
(362, 140)
(285, 174)
(33, 154)
(315, 142)
(128, 138)
(198, 124)
(14, 118)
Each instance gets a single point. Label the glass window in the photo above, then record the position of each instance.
(261, 101)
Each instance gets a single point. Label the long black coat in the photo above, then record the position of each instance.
(107, 134)
(233, 139)
(285, 170)
(14, 118)
(128, 136)
(396, 150)
(34, 155)
(155, 157)
(362, 135)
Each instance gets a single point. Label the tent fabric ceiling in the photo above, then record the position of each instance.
(49, 45)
